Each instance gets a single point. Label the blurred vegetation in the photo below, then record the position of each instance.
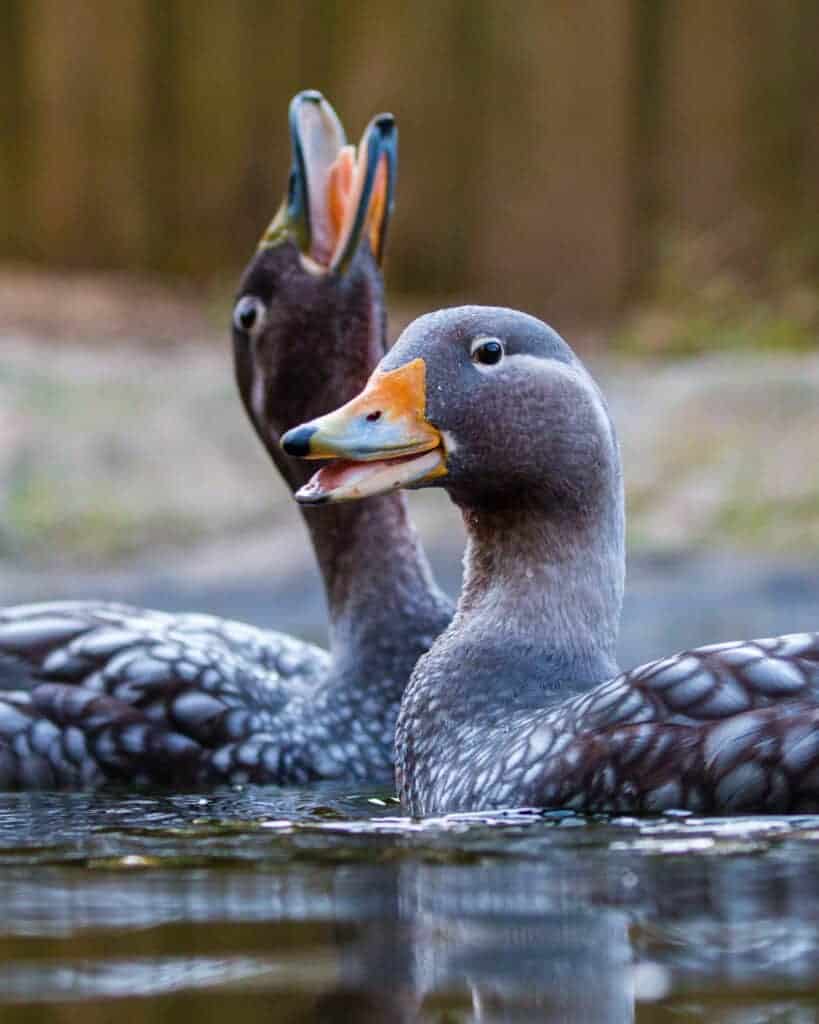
(549, 149)
(107, 453)
(103, 458)
(699, 301)
(648, 167)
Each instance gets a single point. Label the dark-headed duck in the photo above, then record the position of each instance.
(98, 692)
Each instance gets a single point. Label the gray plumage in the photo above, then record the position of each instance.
(519, 701)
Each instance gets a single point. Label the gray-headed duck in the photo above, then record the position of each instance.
(520, 701)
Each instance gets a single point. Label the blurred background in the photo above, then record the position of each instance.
(644, 174)
(570, 156)
(641, 173)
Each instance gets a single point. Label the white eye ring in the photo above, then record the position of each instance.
(249, 314)
(486, 351)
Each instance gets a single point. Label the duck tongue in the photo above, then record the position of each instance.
(338, 203)
(342, 480)
(329, 205)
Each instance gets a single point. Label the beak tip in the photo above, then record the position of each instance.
(311, 495)
(309, 96)
(296, 442)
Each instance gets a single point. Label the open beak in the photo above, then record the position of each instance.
(337, 196)
(378, 442)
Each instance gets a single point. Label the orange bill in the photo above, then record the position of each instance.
(381, 440)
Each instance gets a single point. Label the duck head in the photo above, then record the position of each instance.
(489, 403)
(308, 319)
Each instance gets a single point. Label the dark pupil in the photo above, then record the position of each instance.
(247, 315)
(490, 352)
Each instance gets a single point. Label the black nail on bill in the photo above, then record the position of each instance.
(297, 441)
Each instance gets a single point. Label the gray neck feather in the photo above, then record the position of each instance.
(385, 608)
(542, 596)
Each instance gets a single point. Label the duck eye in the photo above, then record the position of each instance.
(487, 351)
(248, 313)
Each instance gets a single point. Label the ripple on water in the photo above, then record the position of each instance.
(317, 892)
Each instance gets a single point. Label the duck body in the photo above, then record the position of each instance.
(97, 692)
(726, 728)
(520, 701)
(93, 692)
(106, 692)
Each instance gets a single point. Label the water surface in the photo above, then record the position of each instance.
(325, 905)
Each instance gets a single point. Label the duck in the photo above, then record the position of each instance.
(95, 692)
(520, 701)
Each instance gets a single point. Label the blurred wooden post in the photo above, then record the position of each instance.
(553, 163)
(212, 132)
(424, 62)
(160, 145)
(708, 72)
(120, 199)
(13, 131)
(548, 146)
(58, 83)
(83, 92)
(782, 125)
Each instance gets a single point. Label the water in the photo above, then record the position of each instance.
(326, 905)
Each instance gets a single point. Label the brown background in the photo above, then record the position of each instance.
(553, 151)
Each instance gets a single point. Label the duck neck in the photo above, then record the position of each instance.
(385, 609)
(384, 606)
(542, 596)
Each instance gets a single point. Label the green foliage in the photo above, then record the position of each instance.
(102, 528)
(775, 525)
(700, 305)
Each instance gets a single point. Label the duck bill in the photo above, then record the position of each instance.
(367, 205)
(335, 198)
(378, 442)
(316, 140)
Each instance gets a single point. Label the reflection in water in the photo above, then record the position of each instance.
(312, 906)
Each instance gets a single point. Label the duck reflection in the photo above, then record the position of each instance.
(586, 939)
(519, 955)
(372, 921)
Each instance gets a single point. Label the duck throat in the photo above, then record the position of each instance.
(544, 586)
(320, 359)
(384, 606)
